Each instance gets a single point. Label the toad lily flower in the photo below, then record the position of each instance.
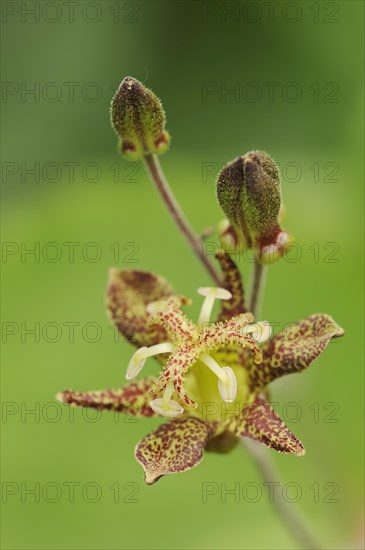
(214, 374)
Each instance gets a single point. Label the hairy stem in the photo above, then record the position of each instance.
(289, 515)
(257, 287)
(155, 171)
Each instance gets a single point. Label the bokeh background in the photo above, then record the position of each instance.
(73, 57)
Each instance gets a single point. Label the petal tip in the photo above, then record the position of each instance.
(172, 448)
(151, 479)
(113, 273)
(60, 396)
(150, 475)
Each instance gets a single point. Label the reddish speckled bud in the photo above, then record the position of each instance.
(138, 118)
(248, 190)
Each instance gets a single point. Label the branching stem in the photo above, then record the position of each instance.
(155, 171)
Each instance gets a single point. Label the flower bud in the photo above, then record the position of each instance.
(248, 191)
(138, 118)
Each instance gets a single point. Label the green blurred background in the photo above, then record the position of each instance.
(312, 127)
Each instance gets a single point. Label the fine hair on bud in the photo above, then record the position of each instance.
(138, 119)
(249, 193)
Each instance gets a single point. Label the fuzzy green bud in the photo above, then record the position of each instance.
(139, 120)
(248, 191)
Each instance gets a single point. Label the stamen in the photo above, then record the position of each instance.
(211, 294)
(136, 363)
(213, 365)
(260, 332)
(227, 383)
(228, 389)
(166, 406)
(167, 394)
(138, 359)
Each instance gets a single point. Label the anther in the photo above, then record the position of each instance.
(138, 359)
(165, 406)
(211, 294)
(260, 332)
(227, 383)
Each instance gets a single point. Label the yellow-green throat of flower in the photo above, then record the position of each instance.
(199, 346)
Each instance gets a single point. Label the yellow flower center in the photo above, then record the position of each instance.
(210, 390)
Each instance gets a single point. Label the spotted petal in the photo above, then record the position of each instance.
(133, 398)
(260, 422)
(128, 294)
(293, 350)
(232, 281)
(173, 447)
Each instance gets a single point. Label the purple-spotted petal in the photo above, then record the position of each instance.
(232, 281)
(293, 350)
(260, 422)
(132, 399)
(128, 294)
(173, 447)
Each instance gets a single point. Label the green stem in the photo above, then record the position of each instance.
(257, 288)
(294, 523)
(287, 511)
(155, 171)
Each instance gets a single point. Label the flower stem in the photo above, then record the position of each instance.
(294, 523)
(155, 171)
(292, 520)
(257, 287)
